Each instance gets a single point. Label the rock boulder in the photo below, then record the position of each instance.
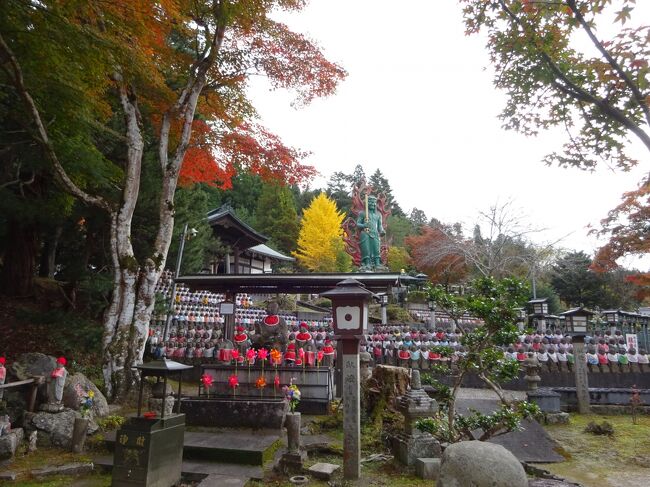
(31, 364)
(480, 464)
(55, 428)
(71, 397)
(9, 442)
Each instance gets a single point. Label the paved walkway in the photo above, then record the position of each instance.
(468, 393)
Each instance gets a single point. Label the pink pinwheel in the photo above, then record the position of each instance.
(262, 354)
(207, 380)
(250, 355)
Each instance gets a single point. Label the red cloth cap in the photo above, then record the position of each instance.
(240, 329)
(291, 346)
(304, 325)
(61, 360)
(3, 360)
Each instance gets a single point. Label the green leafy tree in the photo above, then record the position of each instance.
(495, 302)
(599, 94)
(321, 237)
(151, 76)
(398, 259)
(576, 283)
(418, 218)
(339, 189)
(277, 218)
(397, 229)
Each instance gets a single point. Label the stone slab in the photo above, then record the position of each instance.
(215, 480)
(8, 475)
(323, 471)
(201, 468)
(427, 468)
(550, 483)
(531, 444)
(246, 447)
(76, 468)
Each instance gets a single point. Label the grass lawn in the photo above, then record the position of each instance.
(622, 460)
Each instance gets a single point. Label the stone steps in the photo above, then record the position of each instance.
(207, 472)
(226, 446)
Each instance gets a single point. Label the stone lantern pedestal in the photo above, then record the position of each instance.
(414, 444)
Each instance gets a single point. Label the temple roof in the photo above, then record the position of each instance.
(267, 251)
(231, 230)
(314, 283)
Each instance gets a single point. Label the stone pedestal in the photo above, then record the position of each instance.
(292, 423)
(547, 400)
(292, 461)
(149, 452)
(79, 432)
(408, 448)
(413, 443)
(427, 468)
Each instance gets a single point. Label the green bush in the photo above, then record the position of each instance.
(110, 423)
(398, 314)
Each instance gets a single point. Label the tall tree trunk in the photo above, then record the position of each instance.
(48, 254)
(17, 278)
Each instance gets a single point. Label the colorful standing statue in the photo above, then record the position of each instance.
(364, 229)
(56, 382)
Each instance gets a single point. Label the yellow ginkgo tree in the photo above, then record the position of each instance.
(320, 242)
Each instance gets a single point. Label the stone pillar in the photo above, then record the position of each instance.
(351, 410)
(414, 444)
(582, 381)
(338, 370)
(432, 319)
(384, 315)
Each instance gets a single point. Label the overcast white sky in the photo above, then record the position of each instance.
(419, 104)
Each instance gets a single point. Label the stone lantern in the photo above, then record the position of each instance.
(350, 311)
(413, 443)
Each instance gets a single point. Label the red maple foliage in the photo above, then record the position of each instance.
(214, 159)
(433, 254)
(629, 234)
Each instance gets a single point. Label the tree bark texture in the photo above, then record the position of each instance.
(48, 254)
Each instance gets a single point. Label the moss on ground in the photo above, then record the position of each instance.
(42, 457)
(621, 460)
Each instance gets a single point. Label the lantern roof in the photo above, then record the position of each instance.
(162, 367)
(348, 288)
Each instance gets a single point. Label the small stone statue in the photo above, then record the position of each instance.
(56, 383)
(272, 329)
(532, 366)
